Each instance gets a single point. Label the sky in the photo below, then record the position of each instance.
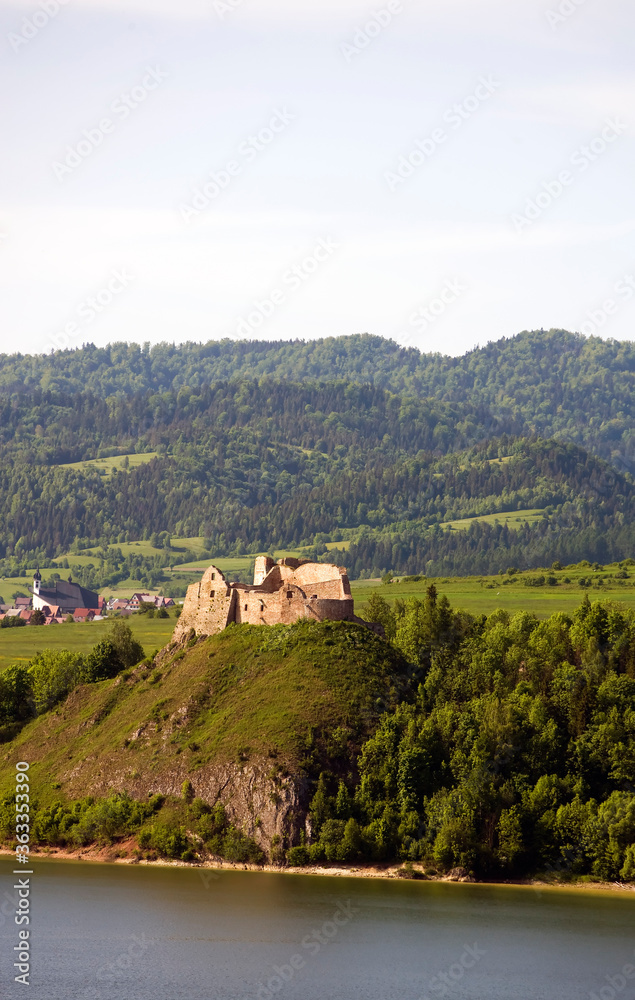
(439, 172)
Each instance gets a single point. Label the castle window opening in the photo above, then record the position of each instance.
(246, 607)
(212, 593)
(213, 576)
(289, 595)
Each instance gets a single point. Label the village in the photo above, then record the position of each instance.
(70, 602)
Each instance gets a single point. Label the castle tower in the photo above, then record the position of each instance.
(264, 564)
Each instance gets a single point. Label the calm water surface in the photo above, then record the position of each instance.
(178, 934)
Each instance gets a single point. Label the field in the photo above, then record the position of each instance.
(106, 465)
(479, 595)
(18, 645)
(514, 519)
(482, 595)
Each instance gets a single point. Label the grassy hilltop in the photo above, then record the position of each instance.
(278, 694)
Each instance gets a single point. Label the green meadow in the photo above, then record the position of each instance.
(514, 520)
(18, 645)
(478, 595)
(105, 466)
(483, 594)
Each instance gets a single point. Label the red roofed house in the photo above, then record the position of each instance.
(83, 614)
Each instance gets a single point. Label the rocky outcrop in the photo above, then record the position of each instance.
(262, 803)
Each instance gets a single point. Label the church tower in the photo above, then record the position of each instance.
(37, 579)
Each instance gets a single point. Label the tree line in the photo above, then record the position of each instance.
(553, 383)
(513, 756)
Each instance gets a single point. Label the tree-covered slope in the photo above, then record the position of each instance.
(543, 421)
(517, 757)
(253, 466)
(556, 383)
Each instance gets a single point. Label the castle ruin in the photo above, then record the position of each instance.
(282, 593)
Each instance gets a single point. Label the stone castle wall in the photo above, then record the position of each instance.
(282, 593)
(208, 606)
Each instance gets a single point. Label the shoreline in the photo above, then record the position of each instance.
(112, 855)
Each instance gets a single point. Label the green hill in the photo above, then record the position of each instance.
(292, 699)
(556, 383)
(352, 441)
(502, 745)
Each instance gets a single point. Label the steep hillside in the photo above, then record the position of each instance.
(248, 716)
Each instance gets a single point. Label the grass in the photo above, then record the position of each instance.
(478, 594)
(485, 594)
(513, 519)
(18, 645)
(106, 465)
(248, 693)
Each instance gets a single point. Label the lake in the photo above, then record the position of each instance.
(145, 933)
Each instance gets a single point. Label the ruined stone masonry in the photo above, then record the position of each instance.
(281, 593)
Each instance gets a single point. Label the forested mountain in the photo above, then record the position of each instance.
(259, 461)
(555, 383)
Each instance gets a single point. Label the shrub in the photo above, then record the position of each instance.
(15, 694)
(238, 847)
(12, 621)
(107, 819)
(54, 674)
(130, 651)
(167, 839)
(102, 662)
(298, 856)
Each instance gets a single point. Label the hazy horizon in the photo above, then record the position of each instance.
(429, 173)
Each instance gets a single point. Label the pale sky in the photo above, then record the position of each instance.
(440, 172)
